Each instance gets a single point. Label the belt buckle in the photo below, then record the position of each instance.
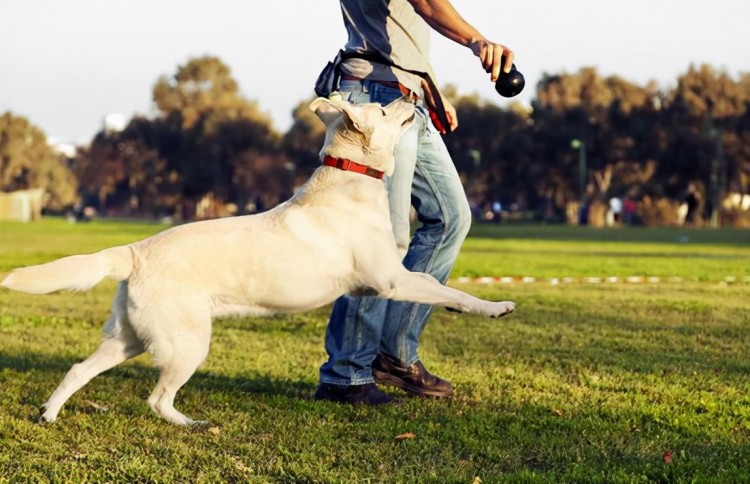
(344, 164)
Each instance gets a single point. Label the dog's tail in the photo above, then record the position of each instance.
(74, 273)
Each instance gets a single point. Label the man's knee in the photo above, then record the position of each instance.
(460, 223)
(453, 223)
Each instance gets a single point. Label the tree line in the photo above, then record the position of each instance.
(585, 139)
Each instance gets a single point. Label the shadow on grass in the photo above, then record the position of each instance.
(253, 383)
(459, 437)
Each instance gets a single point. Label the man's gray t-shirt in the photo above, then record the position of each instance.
(392, 29)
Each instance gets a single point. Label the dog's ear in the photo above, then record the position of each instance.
(326, 109)
(330, 109)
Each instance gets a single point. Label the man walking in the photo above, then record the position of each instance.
(386, 57)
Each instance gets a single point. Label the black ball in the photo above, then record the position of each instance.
(510, 84)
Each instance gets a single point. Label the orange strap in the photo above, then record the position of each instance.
(349, 165)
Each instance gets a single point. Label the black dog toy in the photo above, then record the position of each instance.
(510, 84)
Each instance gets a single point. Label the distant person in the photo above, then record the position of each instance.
(615, 210)
(692, 200)
(497, 211)
(386, 57)
(583, 212)
(75, 214)
(629, 208)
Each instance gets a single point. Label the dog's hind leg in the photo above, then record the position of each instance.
(178, 355)
(174, 375)
(120, 343)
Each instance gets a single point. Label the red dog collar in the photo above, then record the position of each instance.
(349, 165)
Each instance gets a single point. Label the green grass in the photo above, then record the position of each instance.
(584, 383)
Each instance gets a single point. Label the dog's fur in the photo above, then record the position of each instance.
(333, 237)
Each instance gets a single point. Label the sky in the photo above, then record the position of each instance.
(66, 64)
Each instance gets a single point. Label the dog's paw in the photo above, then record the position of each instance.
(502, 308)
(45, 417)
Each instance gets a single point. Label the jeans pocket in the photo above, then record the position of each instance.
(383, 94)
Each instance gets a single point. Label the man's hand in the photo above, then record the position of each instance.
(450, 113)
(491, 55)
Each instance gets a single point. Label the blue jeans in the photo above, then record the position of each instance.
(426, 178)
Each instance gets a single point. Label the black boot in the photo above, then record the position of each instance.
(413, 379)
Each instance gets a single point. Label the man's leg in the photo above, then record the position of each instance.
(354, 329)
(443, 210)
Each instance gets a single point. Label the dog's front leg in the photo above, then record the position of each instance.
(423, 288)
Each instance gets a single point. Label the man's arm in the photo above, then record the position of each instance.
(442, 17)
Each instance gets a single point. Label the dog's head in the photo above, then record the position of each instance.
(364, 133)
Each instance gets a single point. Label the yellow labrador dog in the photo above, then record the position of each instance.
(333, 237)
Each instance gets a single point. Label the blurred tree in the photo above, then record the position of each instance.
(613, 118)
(206, 141)
(706, 133)
(27, 161)
(213, 128)
(99, 169)
(303, 140)
(126, 170)
(489, 150)
(202, 85)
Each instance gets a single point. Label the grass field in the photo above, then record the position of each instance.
(608, 382)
